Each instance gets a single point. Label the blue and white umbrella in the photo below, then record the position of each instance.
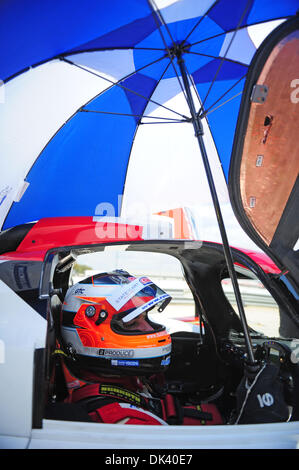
(82, 80)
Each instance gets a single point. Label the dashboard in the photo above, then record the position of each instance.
(284, 353)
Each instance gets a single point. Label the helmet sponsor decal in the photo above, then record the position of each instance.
(166, 349)
(125, 292)
(79, 291)
(155, 335)
(115, 362)
(120, 353)
(165, 362)
(145, 280)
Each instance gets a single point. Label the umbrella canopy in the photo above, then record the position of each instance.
(131, 52)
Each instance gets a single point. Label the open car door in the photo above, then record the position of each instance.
(263, 178)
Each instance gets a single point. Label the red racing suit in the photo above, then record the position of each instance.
(127, 400)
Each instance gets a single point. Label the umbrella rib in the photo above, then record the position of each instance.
(217, 107)
(210, 109)
(132, 115)
(164, 122)
(215, 36)
(226, 52)
(239, 29)
(106, 48)
(155, 15)
(158, 81)
(122, 86)
(215, 57)
(199, 21)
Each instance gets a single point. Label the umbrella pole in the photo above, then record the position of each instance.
(198, 128)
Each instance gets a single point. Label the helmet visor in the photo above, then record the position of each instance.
(137, 297)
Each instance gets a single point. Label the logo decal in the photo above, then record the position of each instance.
(265, 400)
(121, 393)
(145, 280)
(79, 291)
(121, 353)
(115, 362)
(165, 362)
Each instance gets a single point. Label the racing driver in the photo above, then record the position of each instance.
(114, 354)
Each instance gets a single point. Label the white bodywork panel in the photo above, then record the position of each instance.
(22, 330)
(57, 434)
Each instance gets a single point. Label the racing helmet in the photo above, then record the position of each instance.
(105, 328)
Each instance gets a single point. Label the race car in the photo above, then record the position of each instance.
(237, 353)
(207, 364)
